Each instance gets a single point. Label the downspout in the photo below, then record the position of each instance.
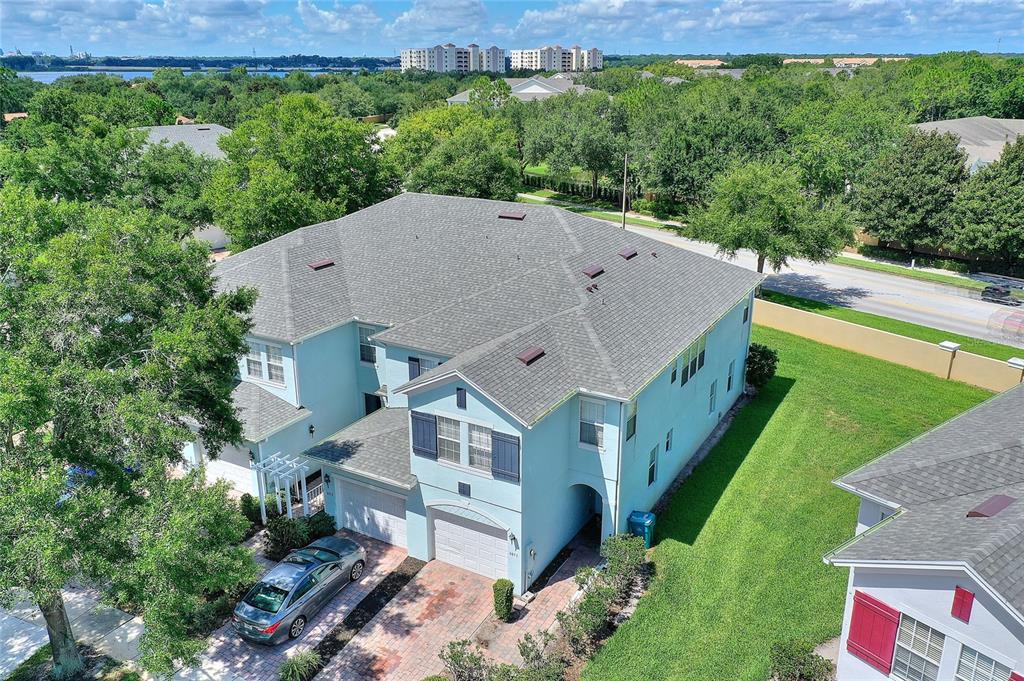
(618, 469)
(295, 372)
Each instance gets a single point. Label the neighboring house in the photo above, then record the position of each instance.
(668, 80)
(202, 139)
(476, 380)
(804, 60)
(9, 117)
(981, 137)
(936, 587)
(701, 63)
(530, 89)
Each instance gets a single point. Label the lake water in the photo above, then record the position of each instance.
(50, 76)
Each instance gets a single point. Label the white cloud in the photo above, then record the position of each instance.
(339, 19)
(431, 21)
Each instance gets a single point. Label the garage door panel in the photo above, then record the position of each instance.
(472, 545)
(374, 513)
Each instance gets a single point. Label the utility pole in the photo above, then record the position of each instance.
(625, 172)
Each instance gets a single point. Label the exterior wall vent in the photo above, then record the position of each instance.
(512, 215)
(321, 265)
(530, 354)
(593, 270)
(991, 506)
(628, 252)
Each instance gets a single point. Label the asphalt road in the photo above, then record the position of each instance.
(936, 305)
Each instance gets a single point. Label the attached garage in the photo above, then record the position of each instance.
(470, 544)
(372, 512)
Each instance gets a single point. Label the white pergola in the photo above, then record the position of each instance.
(280, 468)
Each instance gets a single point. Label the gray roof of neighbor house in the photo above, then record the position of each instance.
(557, 85)
(449, 276)
(983, 138)
(376, 446)
(200, 137)
(261, 412)
(936, 480)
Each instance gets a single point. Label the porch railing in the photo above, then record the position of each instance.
(315, 495)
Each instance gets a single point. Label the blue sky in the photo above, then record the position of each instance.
(349, 27)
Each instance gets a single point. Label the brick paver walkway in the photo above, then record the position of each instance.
(230, 657)
(444, 603)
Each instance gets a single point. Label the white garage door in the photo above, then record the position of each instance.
(472, 545)
(373, 512)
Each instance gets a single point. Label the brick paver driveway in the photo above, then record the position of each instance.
(444, 603)
(229, 657)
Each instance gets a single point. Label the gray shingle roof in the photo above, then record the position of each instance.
(201, 137)
(981, 137)
(261, 412)
(376, 446)
(447, 275)
(936, 479)
(557, 84)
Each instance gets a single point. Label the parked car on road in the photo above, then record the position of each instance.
(281, 604)
(999, 294)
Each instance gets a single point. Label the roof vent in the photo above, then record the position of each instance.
(991, 506)
(321, 265)
(203, 128)
(512, 215)
(628, 252)
(593, 270)
(530, 354)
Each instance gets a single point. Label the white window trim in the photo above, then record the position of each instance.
(713, 398)
(470, 447)
(580, 422)
(911, 651)
(652, 461)
(264, 360)
(457, 441)
(960, 652)
(360, 344)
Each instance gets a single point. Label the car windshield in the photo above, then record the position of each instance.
(266, 597)
(311, 554)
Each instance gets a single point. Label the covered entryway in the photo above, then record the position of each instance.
(372, 512)
(476, 546)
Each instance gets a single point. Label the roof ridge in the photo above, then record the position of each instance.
(917, 466)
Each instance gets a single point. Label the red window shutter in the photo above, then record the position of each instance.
(963, 601)
(872, 635)
(1016, 677)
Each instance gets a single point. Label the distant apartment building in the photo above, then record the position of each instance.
(557, 58)
(448, 58)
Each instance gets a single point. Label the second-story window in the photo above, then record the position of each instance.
(703, 347)
(592, 423)
(367, 351)
(254, 361)
(480, 447)
(448, 440)
(275, 365)
(652, 466)
(630, 419)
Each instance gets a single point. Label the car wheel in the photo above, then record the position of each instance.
(298, 626)
(357, 571)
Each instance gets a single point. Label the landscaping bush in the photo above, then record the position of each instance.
(624, 555)
(761, 364)
(584, 621)
(538, 665)
(285, 534)
(503, 590)
(250, 507)
(795, 660)
(301, 667)
(320, 524)
(464, 663)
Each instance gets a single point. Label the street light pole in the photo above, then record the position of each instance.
(625, 171)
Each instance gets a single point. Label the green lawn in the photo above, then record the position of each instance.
(923, 275)
(925, 333)
(738, 553)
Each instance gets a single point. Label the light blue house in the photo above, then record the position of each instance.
(477, 380)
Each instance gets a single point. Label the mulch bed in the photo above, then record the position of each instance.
(367, 609)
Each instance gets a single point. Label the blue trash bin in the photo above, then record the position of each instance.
(641, 524)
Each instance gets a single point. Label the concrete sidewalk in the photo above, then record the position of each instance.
(109, 630)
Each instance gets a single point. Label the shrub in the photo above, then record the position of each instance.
(503, 591)
(301, 667)
(795, 660)
(584, 621)
(761, 364)
(538, 665)
(250, 507)
(624, 554)
(285, 534)
(320, 524)
(464, 663)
